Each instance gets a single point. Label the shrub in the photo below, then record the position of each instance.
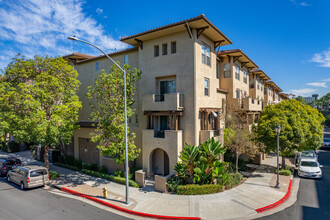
(88, 166)
(117, 173)
(194, 189)
(103, 169)
(4, 147)
(13, 146)
(233, 180)
(284, 172)
(116, 179)
(173, 182)
(67, 166)
(53, 175)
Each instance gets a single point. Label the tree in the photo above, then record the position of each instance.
(323, 101)
(302, 100)
(38, 101)
(301, 127)
(237, 136)
(327, 120)
(107, 102)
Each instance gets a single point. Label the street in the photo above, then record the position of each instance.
(41, 204)
(313, 197)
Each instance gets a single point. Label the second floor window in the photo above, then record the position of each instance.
(206, 54)
(97, 66)
(173, 47)
(206, 86)
(236, 72)
(156, 50)
(164, 49)
(237, 93)
(168, 86)
(245, 76)
(226, 70)
(251, 83)
(126, 59)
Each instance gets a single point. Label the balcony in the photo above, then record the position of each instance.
(205, 135)
(249, 104)
(165, 102)
(167, 140)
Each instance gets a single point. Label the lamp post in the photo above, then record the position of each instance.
(278, 131)
(126, 149)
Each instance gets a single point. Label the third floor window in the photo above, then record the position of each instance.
(245, 76)
(237, 72)
(226, 70)
(173, 47)
(164, 49)
(206, 54)
(156, 50)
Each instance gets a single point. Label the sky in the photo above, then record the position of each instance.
(288, 39)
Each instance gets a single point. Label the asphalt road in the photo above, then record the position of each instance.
(313, 200)
(41, 204)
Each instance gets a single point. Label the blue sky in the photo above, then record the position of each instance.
(288, 39)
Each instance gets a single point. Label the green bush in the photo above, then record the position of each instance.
(53, 175)
(70, 160)
(284, 172)
(116, 179)
(67, 166)
(194, 189)
(13, 146)
(229, 157)
(4, 147)
(103, 169)
(88, 166)
(117, 173)
(233, 180)
(173, 182)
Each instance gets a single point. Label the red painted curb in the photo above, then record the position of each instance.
(279, 202)
(124, 209)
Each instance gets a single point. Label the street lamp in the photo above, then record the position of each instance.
(126, 150)
(278, 131)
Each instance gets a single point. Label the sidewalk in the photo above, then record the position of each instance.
(237, 203)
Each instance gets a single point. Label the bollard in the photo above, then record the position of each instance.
(105, 193)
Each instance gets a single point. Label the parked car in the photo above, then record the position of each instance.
(306, 155)
(8, 163)
(326, 143)
(29, 176)
(309, 168)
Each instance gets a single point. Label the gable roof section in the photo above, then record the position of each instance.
(260, 73)
(200, 21)
(241, 57)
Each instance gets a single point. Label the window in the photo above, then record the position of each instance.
(226, 70)
(168, 86)
(206, 86)
(156, 51)
(130, 119)
(126, 59)
(236, 72)
(137, 119)
(245, 76)
(237, 93)
(251, 83)
(258, 82)
(97, 66)
(217, 69)
(164, 49)
(173, 47)
(206, 54)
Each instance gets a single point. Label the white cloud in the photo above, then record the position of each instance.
(317, 84)
(99, 10)
(323, 58)
(298, 3)
(326, 80)
(303, 92)
(44, 25)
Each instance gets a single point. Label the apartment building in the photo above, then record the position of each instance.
(182, 93)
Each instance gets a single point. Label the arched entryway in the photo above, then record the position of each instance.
(159, 162)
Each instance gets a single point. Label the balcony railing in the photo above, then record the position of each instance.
(163, 102)
(159, 98)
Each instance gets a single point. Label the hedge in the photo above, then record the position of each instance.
(116, 179)
(284, 172)
(53, 175)
(67, 166)
(194, 189)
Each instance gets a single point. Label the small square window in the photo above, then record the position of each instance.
(173, 47)
(164, 49)
(97, 66)
(156, 50)
(206, 86)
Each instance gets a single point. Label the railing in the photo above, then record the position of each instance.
(159, 134)
(159, 98)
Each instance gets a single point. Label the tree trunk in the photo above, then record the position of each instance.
(236, 161)
(46, 161)
(283, 162)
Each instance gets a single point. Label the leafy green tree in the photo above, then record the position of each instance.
(323, 101)
(107, 102)
(301, 127)
(327, 120)
(201, 164)
(302, 100)
(38, 101)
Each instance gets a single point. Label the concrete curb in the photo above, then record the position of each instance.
(279, 202)
(146, 215)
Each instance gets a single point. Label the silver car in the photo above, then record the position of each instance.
(29, 176)
(309, 168)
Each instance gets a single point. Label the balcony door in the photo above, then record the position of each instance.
(168, 86)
